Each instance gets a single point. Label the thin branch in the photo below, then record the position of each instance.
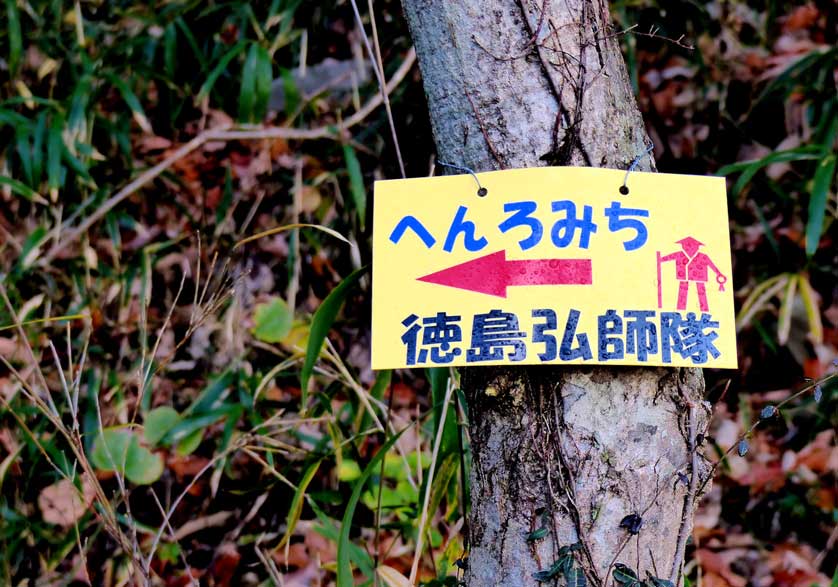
(379, 66)
(485, 132)
(750, 431)
(652, 34)
(686, 514)
(168, 516)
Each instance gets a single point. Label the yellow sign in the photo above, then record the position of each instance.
(553, 265)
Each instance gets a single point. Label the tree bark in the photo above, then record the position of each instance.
(575, 450)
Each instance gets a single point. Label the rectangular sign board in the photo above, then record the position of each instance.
(554, 265)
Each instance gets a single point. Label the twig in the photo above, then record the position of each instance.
(168, 515)
(227, 133)
(483, 130)
(366, 400)
(759, 421)
(378, 66)
(652, 34)
(177, 539)
(570, 490)
(294, 246)
(617, 554)
(686, 514)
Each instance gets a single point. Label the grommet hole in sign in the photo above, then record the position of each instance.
(481, 191)
(624, 190)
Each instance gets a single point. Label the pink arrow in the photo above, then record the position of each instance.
(492, 273)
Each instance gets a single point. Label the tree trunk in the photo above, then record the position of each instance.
(574, 450)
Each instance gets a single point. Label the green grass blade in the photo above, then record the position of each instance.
(14, 34)
(220, 68)
(208, 399)
(297, 503)
(817, 203)
(322, 322)
(328, 530)
(750, 168)
(438, 378)
(170, 50)
(356, 183)
(22, 189)
(256, 84)
(344, 578)
(55, 146)
(813, 312)
(759, 297)
(132, 102)
(786, 306)
(193, 43)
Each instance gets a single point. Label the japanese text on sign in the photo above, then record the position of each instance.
(554, 265)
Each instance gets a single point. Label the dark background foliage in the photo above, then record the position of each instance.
(94, 94)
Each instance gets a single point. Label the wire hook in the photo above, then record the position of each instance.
(624, 188)
(481, 191)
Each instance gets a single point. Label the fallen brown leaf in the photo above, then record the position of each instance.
(61, 504)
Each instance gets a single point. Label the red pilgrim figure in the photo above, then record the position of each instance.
(690, 266)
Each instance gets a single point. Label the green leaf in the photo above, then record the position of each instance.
(321, 323)
(188, 426)
(344, 576)
(624, 575)
(327, 528)
(817, 203)
(438, 378)
(24, 153)
(168, 552)
(290, 91)
(576, 577)
(759, 297)
(119, 449)
(55, 147)
(657, 582)
(216, 72)
(31, 246)
(15, 36)
(170, 50)
(209, 398)
(442, 479)
(158, 422)
(193, 43)
(76, 165)
(297, 503)
(39, 134)
(272, 320)
(550, 573)
(22, 189)
(356, 183)
(257, 76)
(132, 102)
(537, 534)
(348, 470)
(190, 443)
(750, 168)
